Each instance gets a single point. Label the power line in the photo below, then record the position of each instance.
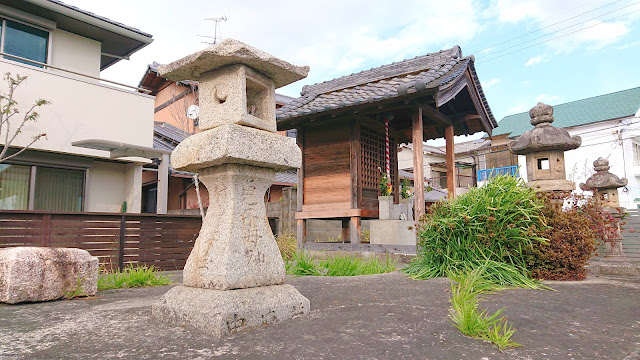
(557, 31)
(548, 26)
(558, 37)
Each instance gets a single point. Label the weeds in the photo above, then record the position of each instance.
(304, 264)
(288, 244)
(138, 276)
(77, 292)
(465, 291)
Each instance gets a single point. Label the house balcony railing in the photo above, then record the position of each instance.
(486, 174)
(461, 181)
(82, 107)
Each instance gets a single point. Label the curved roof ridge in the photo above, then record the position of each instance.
(397, 68)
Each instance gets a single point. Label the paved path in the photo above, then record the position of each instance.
(367, 317)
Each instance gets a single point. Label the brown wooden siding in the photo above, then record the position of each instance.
(326, 164)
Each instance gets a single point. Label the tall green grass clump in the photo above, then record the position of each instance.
(466, 288)
(489, 226)
(304, 264)
(130, 277)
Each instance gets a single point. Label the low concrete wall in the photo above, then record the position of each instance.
(392, 232)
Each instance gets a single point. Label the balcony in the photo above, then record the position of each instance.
(486, 174)
(82, 107)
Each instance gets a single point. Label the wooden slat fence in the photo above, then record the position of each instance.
(164, 241)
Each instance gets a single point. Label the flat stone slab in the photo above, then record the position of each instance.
(228, 52)
(384, 316)
(223, 312)
(235, 144)
(29, 274)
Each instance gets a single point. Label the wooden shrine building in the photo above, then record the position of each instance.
(341, 130)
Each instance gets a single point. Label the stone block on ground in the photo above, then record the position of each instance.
(29, 274)
(220, 313)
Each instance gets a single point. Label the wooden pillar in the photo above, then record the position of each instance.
(301, 225)
(354, 230)
(418, 164)
(345, 230)
(354, 164)
(451, 162)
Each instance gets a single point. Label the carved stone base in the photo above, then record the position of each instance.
(236, 248)
(219, 313)
(613, 252)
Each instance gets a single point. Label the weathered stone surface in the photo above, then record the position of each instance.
(234, 144)
(543, 136)
(235, 248)
(221, 313)
(237, 95)
(30, 274)
(230, 52)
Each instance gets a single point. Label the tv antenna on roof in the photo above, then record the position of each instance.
(216, 30)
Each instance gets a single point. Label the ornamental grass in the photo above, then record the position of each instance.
(490, 226)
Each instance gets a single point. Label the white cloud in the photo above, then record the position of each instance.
(333, 37)
(534, 60)
(518, 109)
(546, 98)
(489, 83)
(558, 20)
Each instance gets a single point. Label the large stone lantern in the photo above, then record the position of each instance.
(544, 147)
(605, 187)
(234, 277)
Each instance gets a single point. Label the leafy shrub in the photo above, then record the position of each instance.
(572, 241)
(288, 244)
(491, 225)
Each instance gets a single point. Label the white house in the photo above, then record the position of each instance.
(62, 50)
(609, 126)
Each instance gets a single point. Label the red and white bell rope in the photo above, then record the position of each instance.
(386, 147)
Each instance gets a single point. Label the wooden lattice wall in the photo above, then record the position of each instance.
(372, 159)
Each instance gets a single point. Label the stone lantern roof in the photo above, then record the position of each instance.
(603, 179)
(230, 52)
(543, 136)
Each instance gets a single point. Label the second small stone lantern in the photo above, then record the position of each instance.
(605, 186)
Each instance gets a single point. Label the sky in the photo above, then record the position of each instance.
(525, 50)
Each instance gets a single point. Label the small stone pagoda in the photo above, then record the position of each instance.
(234, 277)
(605, 187)
(544, 147)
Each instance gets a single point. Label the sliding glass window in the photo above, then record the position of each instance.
(24, 41)
(14, 187)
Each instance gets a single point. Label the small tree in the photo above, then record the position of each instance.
(11, 126)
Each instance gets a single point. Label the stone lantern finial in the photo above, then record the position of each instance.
(541, 114)
(544, 146)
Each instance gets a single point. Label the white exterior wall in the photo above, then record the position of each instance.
(74, 52)
(110, 184)
(602, 139)
(79, 110)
